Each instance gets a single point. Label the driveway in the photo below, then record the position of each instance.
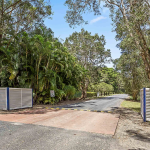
(104, 123)
(15, 136)
(62, 129)
(108, 103)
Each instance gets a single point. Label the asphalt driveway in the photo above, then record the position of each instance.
(15, 136)
(103, 123)
(63, 129)
(99, 104)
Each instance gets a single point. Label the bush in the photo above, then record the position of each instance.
(78, 94)
(138, 98)
(60, 94)
(91, 94)
(69, 91)
(50, 100)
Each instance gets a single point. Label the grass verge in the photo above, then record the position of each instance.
(131, 105)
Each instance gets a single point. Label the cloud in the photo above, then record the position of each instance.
(97, 19)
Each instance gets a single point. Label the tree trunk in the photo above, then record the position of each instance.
(84, 94)
(84, 88)
(134, 95)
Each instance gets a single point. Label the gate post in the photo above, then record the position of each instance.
(144, 104)
(32, 97)
(7, 98)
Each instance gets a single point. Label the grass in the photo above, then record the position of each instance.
(136, 106)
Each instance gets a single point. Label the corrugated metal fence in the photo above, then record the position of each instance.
(3, 98)
(15, 98)
(145, 103)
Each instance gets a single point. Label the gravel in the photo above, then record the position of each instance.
(131, 131)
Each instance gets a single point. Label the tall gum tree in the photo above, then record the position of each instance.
(90, 52)
(135, 19)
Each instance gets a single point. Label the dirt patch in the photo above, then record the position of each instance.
(132, 132)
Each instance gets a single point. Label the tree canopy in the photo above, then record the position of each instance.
(20, 15)
(130, 20)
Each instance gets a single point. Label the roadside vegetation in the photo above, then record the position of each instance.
(131, 24)
(31, 57)
(131, 105)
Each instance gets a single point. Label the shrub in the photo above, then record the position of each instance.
(78, 94)
(60, 94)
(91, 94)
(69, 91)
(50, 100)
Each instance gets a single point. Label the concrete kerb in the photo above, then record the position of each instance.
(102, 111)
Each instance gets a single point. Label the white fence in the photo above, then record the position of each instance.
(15, 98)
(145, 103)
(3, 98)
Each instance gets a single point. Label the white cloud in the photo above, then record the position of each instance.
(97, 19)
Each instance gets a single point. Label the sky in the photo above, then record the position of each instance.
(101, 24)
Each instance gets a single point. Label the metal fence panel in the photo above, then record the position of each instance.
(26, 98)
(20, 98)
(14, 98)
(148, 104)
(3, 98)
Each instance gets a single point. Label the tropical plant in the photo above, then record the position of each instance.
(41, 62)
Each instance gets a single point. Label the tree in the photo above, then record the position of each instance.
(111, 77)
(130, 15)
(101, 87)
(88, 49)
(90, 52)
(20, 15)
(38, 60)
(134, 76)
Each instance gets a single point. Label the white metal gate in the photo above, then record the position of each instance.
(3, 98)
(15, 98)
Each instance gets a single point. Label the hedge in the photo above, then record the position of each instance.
(91, 94)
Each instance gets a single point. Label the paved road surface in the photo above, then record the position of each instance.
(35, 137)
(103, 123)
(17, 135)
(101, 104)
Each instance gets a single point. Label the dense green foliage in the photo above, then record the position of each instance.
(17, 16)
(107, 80)
(39, 61)
(30, 56)
(133, 74)
(131, 21)
(90, 52)
(91, 94)
(101, 87)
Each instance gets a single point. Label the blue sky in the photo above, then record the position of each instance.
(97, 24)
